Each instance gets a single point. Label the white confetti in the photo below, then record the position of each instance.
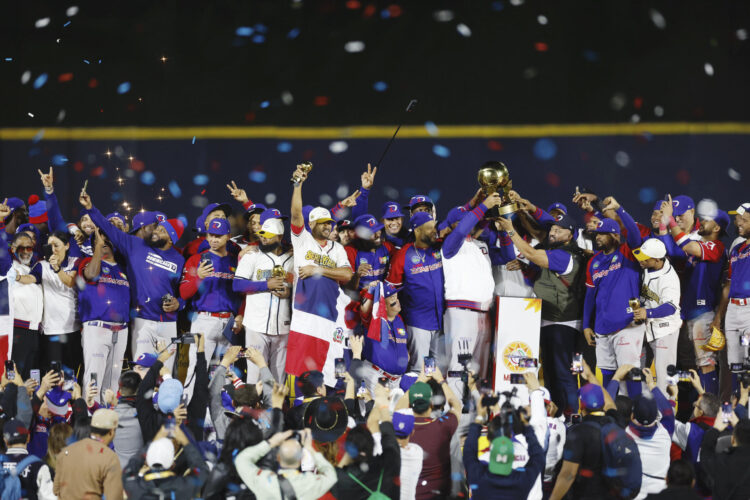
(325, 200)
(463, 30)
(342, 191)
(443, 16)
(199, 201)
(706, 208)
(635, 118)
(622, 158)
(270, 198)
(709, 69)
(337, 147)
(390, 192)
(30, 114)
(658, 111)
(657, 19)
(60, 115)
(71, 11)
(287, 98)
(25, 77)
(530, 73)
(617, 102)
(354, 46)
(516, 3)
(741, 34)
(734, 175)
(542, 19)
(41, 23)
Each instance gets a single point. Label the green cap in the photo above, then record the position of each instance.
(420, 391)
(501, 456)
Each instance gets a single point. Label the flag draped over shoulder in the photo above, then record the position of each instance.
(378, 323)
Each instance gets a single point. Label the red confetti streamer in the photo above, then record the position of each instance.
(394, 10)
(250, 116)
(638, 102)
(353, 4)
(494, 145)
(552, 179)
(320, 100)
(137, 165)
(98, 171)
(203, 192)
(215, 165)
(65, 77)
(308, 154)
(541, 47)
(683, 177)
(93, 83)
(78, 166)
(369, 11)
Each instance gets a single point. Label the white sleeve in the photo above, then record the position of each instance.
(44, 484)
(339, 256)
(680, 435)
(538, 420)
(670, 292)
(245, 267)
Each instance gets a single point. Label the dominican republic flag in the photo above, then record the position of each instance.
(314, 329)
(378, 323)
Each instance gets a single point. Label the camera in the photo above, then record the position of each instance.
(517, 378)
(490, 400)
(185, 338)
(47, 251)
(678, 375)
(429, 365)
(575, 418)
(636, 375)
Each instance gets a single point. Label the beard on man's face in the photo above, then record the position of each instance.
(157, 243)
(270, 247)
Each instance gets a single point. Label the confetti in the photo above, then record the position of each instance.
(40, 81)
(443, 16)
(545, 149)
(530, 73)
(337, 147)
(41, 23)
(497, 6)
(635, 118)
(541, 47)
(259, 38)
(293, 33)
(284, 147)
(741, 34)
(434, 195)
(390, 192)
(193, 140)
(320, 100)
(64, 26)
(60, 116)
(463, 30)
(123, 88)
(516, 3)
(432, 129)
(325, 200)
(30, 114)
(65, 77)
(552, 179)
(86, 61)
(354, 46)
(342, 191)
(617, 101)
(257, 176)
(8, 59)
(244, 31)
(71, 11)
(174, 188)
(734, 175)
(622, 158)
(200, 180)
(380, 86)
(658, 111)
(441, 151)
(709, 69)
(647, 195)
(287, 98)
(353, 4)
(270, 198)
(542, 19)
(25, 77)
(38, 136)
(148, 177)
(59, 160)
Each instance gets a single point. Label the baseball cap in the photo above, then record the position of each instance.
(146, 360)
(707, 209)
(591, 396)
(366, 225)
(161, 453)
(218, 227)
(174, 229)
(652, 248)
(143, 219)
(392, 210)
(558, 206)
(403, 423)
(255, 208)
(271, 213)
(14, 204)
(104, 418)
(115, 215)
(28, 227)
(271, 228)
(644, 409)
(657, 205)
(37, 210)
(681, 204)
(389, 290)
(319, 214)
(745, 207)
(501, 456)
(311, 380)
(419, 219)
(565, 221)
(419, 200)
(14, 429)
(344, 224)
(200, 224)
(224, 207)
(454, 215)
(58, 400)
(607, 226)
(420, 394)
(170, 395)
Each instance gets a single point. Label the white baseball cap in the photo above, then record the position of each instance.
(319, 214)
(650, 249)
(160, 452)
(745, 207)
(271, 228)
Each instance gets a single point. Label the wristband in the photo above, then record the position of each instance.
(511, 233)
(662, 227)
(479, 420)
(672, 223)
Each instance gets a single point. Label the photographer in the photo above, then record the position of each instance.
(728, 472)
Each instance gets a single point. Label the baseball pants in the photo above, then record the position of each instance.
(215, 343)
(557, 344)
(466, 332)
(423, 343)
(736, 324)
(620, 348)
(103, 352)
(699, 331)
(665, 354)
(273, 349)
(370, 375)
(147, 332)
(25, 352)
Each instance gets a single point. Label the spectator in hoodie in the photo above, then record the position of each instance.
(128, 439)
(680, 483)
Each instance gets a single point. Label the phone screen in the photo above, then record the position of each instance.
(362, 390)
(94, 378)
(340, 367)
(577, 365)
(10, 374)
(36, 375)
(726, 412)
(517, 378)
(429, 365)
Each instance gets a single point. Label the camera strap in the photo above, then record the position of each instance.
(287, 492)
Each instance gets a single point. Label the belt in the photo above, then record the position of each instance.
(384, 373)
(223, 315)
(740, 302)
(468, 304)
(115, 327)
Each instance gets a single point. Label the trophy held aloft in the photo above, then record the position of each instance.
(493, 177)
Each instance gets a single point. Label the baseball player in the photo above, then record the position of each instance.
(680, 215)
(207, 281)
(467, 322)
(660, 291)
(252, 225)
(211, 212)
(320, 266)
(267, 298)
(701, 283)
(735, 301)
(612, 280)
(368, 253)
(104, 309)
(418, 268)
(154, 272)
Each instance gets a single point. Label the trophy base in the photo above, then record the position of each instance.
(507, 209)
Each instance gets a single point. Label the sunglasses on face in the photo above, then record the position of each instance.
(25, 249)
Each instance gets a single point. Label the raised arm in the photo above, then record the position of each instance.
(121, 240)
(538, 257)
(297, 219)
(634, 238)
(455, 239)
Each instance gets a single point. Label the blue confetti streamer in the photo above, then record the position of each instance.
(284, 147)
(174, 188)
(257, 176)
(244, 31)
(38, 136)
(8, 59)
(66, 24)
(148, 177)
(86, 61)
(261, 28)
(59, 160)
(40, 81)
(647, 194)
(431, 128)
(293, 33)
(441, 151)
(123, 88)
(264, 104)
(380, 86)
(193, 139)
(545, 149)
(259, 38)
(498, 6)
(200, 180)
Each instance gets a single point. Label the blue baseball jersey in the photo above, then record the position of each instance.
(391, 353)
(501, 247)
(739, 271)
(232, 247)
(420, 271)
(615, 279)
(153, 272)
(378, 259)
(701, 280)
(214, 292)
(107, 296)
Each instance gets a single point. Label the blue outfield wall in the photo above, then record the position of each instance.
(637, 169)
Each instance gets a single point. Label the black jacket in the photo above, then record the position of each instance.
(676, 493)
(727, 474)
(223, 482)
(165, 484)
(389, 462)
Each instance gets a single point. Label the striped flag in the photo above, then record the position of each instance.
(378, 323)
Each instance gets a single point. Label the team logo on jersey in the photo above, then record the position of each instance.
(338, 335)
(513, 353)
(436, 255)
(384, 260)
(614, 259)
(105, 269)
(400, 331)
(415, 259)
(596, 264)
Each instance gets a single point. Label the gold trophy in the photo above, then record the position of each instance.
(278, 272)
(306, 167)
(635, 304)
(493, 177)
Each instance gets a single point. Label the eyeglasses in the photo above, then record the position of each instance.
(25, 249)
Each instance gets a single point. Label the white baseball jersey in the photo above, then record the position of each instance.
(264, 312)
(307, 252)
(28, 300)
(557, 434)
(60, 301)
(661, 287)
(468, 274)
